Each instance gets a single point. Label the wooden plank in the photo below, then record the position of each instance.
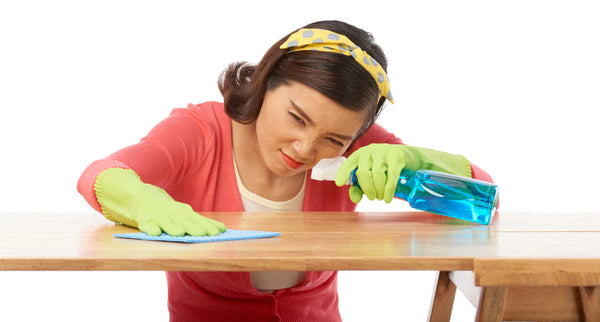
(537, 272)
(590, 303)
(491, 304)
(443, 298)
(533, 303)
(542, 303)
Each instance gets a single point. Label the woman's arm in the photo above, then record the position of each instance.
(128, 185)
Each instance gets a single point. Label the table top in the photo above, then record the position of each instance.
(308, 241)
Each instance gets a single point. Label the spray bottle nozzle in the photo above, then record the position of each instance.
(326, 169)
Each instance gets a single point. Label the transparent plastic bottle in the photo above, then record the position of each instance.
(433, 191)
(446, 194)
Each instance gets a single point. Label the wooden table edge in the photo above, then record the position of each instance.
(238, 264)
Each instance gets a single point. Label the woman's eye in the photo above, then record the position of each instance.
(297, 118)
(336, 142)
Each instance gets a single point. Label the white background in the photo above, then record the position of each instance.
(512, 85)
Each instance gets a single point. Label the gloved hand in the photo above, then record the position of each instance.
(378, 168)
(125, 199)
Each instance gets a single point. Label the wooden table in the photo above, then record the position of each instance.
(517, 257)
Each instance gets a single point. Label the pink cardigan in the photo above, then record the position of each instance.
(189, 154)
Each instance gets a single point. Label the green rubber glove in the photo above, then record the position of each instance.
(378, 168)
(125, 199)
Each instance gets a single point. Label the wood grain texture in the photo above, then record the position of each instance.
(542, 303)
(309, 241)
(537, 271)
(590, 302)
(491, 304)
(443, 298)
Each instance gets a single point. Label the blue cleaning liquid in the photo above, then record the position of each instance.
(448, 195)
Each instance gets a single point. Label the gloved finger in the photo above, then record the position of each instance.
(393, 174)
(355, 194)
(173, 229)
(365, 177)
(191, 221)
(203, 225)
(343, 173)
(169, 226)
(220, 226)
(199, 225)
(150, 227)
(195, 228)
(395, 166)
(378, 172)
(211, 228)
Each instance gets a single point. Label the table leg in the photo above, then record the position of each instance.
(442, 301)
(491, 304)
(590, 302)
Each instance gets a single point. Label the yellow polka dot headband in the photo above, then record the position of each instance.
(328, 41)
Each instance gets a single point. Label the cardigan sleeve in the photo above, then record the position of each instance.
(161, 157)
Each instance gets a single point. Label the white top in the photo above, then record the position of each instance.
(254, 202)
(270, 281)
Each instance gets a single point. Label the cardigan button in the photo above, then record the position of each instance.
(307, 284)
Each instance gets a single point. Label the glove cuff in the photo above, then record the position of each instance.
(110, 188)
(438, 161)
(454, 164)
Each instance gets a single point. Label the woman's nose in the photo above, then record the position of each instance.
(304, 148)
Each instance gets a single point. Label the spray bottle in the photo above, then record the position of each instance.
(432, 191)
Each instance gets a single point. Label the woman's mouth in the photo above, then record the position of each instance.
(291, 161)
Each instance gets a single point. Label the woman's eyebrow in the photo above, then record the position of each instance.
(301, 112)
(311, 122)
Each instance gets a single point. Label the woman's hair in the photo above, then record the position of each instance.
(338, 77)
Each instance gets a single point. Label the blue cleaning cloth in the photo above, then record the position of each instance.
(229, 234)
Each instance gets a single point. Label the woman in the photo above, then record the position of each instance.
(315, 94)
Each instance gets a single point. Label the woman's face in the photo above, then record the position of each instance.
(297, 126)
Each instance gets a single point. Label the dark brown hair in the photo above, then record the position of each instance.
(336, 76)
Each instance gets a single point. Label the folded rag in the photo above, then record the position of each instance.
(229, 234)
